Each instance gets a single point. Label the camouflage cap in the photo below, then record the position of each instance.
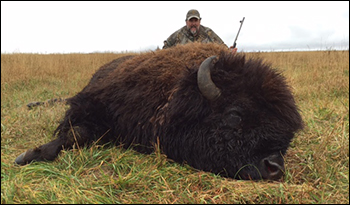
(193, 13)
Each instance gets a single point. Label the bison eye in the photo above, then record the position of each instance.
(232, 120)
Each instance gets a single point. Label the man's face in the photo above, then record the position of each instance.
(193, 25)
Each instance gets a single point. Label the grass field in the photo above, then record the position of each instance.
(317, 163)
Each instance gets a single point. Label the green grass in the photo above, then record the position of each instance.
(317, 162)
(114, 175)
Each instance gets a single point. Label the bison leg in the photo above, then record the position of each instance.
(48, 151)
(67, 137)
(84, 123)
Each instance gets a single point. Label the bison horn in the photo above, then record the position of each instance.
(205, 83)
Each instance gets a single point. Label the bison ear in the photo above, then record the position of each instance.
(205, 83)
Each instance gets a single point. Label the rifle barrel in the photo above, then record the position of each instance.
(241, 21)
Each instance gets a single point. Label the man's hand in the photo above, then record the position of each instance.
(233, 50)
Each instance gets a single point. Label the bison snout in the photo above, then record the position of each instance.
(272, 167)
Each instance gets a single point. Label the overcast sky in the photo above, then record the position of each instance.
(84, 27)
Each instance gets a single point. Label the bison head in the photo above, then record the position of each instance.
(243, 119)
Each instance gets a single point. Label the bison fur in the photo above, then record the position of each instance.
(238, 122)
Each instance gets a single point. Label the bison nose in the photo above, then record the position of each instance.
(272, 167)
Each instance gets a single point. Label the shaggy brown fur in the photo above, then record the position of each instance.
(154, 97)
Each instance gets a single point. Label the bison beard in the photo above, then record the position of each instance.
(207, 108)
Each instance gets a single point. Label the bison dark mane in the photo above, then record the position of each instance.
(238, 122)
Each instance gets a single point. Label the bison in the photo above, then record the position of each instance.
(199, 104)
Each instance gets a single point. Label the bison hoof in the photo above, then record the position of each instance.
(20, 159)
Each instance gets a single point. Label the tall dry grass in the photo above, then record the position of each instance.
(317, 163)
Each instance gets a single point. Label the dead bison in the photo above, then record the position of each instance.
(205, 107)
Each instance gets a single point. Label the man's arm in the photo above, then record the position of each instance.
(216, 39)
(213, 36)
(171, 40)
(166, 44)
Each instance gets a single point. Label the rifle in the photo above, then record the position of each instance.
(234, 43)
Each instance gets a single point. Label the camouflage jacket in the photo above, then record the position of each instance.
(183, 36)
